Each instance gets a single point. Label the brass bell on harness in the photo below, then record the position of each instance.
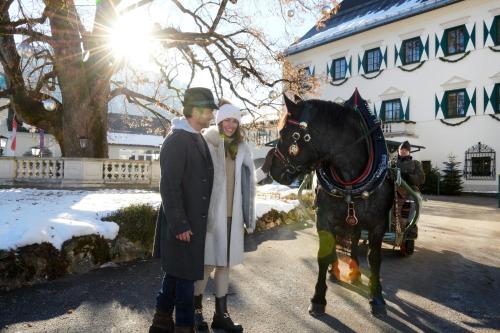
(365, 195)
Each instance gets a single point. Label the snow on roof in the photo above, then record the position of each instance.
(129, 139)
(357, 16)
(260, 117)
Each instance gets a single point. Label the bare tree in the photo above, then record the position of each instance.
(76, 60)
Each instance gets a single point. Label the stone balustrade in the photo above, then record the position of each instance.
(399, 128)
(78, 172)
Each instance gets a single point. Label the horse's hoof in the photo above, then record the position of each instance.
(378, 309)
(316, 310)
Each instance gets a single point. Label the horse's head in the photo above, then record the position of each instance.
(297, 150)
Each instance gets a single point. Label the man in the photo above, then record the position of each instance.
(185, 188)
(411, 170)
(412, 173)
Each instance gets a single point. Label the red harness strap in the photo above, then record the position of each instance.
(362, 177)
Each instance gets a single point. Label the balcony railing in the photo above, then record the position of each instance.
(399, 128)
(78, 172)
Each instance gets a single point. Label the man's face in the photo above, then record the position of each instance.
(203, 116)
(404, 152)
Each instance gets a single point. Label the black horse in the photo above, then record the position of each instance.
(332, 134)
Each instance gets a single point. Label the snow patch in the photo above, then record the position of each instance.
(32, 216)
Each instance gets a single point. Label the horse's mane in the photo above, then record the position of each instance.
(328, 112)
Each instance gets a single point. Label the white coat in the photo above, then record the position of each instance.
(244, 190)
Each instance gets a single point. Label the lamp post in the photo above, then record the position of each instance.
(3, 143)
(84, 142)
(35, 151)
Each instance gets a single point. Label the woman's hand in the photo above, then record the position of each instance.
(185, 236)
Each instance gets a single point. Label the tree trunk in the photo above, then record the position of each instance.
(84, 88)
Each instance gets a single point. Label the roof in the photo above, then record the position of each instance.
(356, 16)
(134, 124)
(129, 139)
(264, 117)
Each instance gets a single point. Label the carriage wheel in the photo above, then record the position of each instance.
(407, 247)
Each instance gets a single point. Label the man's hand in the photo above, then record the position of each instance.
(185, 236)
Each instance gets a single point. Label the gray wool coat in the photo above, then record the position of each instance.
(185, 188)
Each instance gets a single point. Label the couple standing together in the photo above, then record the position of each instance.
(207, 190)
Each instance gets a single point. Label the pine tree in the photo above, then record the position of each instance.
(451, 183)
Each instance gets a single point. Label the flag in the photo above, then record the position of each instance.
(13, 136)
(42, 139)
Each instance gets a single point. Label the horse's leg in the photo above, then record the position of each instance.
(374, 259)
(354, 273)
(326, 254)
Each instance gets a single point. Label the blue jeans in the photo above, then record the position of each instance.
(177, 293)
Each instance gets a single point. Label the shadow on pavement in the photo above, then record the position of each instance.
(126, 285)
(448, 282)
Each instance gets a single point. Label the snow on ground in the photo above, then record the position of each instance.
(30, 216)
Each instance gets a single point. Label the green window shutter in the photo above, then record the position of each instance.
(380, 110)
(470, 101)
(441, 43)
(405, 108)
(398, 60)
(424, 47)
(348, 67)
(383, 54)
(494, 30)
(440, 97)
(489, 99)
(488, 31)
(470, 36)
(361, 65)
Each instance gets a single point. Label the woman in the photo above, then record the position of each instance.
(232, 206)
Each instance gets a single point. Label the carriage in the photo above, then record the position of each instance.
(402, 240)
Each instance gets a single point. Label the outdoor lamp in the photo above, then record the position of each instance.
(35, 151)
(3, 143)
(84, 141)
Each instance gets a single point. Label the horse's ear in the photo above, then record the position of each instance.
(291, 107)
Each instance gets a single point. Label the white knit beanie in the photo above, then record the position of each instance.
(228, 111)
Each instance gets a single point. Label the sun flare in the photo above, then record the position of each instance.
(131, 39)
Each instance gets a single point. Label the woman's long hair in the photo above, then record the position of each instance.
(231, 143)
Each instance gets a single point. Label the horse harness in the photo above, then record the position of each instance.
(374, 173)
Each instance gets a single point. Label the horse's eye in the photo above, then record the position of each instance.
(296, 136)
(307, 138)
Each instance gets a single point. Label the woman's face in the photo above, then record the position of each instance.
(229, 126)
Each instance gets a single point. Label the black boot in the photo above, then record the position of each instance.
(199, 321)
(162, 322)
(222, 320)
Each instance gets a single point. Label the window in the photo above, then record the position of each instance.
(455, 38)
(373, 59)
(306, 73)
(480, 162)
(456, 103)
(392, 110)
(339, 69)
(411, 51)
(481, 166)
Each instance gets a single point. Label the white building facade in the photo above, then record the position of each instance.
(430, 69)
